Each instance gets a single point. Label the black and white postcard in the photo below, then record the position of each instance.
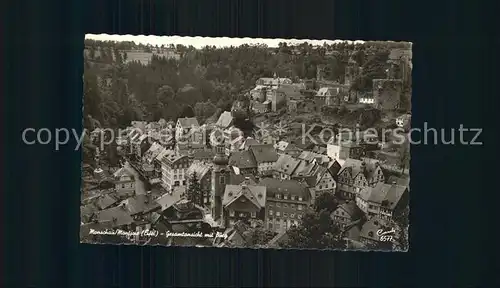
(246, 143)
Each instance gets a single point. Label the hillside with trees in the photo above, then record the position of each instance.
(206, 81)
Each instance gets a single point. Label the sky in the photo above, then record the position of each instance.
(200, 42)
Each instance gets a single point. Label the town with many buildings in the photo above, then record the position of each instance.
(272, 167)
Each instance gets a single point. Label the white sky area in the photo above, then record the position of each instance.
(200, 42)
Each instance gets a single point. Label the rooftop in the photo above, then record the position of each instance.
(255, 194)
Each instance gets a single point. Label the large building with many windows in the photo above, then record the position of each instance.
(286, 203)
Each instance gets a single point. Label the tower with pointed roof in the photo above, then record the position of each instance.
(220, 177)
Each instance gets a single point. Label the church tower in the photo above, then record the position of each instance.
(220, 177)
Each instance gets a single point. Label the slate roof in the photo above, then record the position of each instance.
(153, 152)
(225, 120)
(201, 169)
(188, 122)
(164, 153)
(264, 153)
(105, 201)
(328, 91)
(140, 204)
(399, 181)
(255, 194)
(387, 195)
(119, 216)
(279, 238)
(286, 164)
(278, 186)
(249, 141)
(242, 159)
(123, 172)
(352, 210)
(356, 167)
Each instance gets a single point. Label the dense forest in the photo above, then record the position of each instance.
(204, 82)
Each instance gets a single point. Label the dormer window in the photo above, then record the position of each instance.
(285, 196)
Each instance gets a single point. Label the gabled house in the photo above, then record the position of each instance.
(285, 167)
(124, 182)
(265, 157)
(358, 174)
(321, 181)
(346, 213)
(187, 130)
(243, 202)
(383, 201)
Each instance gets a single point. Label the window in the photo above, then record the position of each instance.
(320, 187)
(278, 204)
(285, 196)
(184, 182)
(299, 207)
(299, 216)
(253, 214)
(370, 233)
(300, 198)
(285, 205)
(270, 225)
(222, 180)
(292, 206)
(278, 213)
(292, 215)
(277, 226)
(285, 214)
(270, 212)
(278, 196)
(231, 213)
(242, 215)
(243, 199)
(292, 198)
(271, 204)
(123, 185)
